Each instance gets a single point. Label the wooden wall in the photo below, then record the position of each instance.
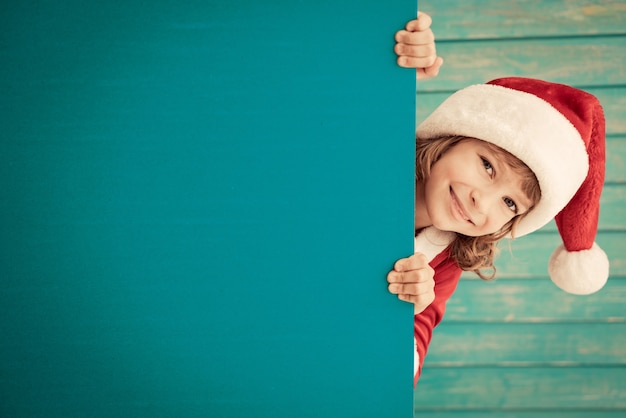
(519, 346)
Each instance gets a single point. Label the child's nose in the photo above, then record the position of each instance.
(482, 201)
(477, 199)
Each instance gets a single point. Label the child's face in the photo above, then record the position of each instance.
(471, 192)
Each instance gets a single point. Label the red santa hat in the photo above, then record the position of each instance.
(558, 132)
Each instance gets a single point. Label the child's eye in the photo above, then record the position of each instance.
(487, 166)
(510, 204)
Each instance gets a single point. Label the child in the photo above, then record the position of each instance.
(498, 160)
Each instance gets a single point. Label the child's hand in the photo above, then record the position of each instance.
(412, 279)
(415, 47)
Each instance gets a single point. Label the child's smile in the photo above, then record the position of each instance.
(457, 208)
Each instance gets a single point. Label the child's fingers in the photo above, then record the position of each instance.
(412, 62)
(421, 15)
(423, 275)
(414, 262)
(422, 22)
(416, 51)
(414, 289)
(421, 302)
(415, 38)
(431, 71)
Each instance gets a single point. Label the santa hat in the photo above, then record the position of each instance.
(558, 132)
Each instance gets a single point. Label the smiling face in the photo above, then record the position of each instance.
(471, 190)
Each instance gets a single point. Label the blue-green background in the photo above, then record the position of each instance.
(200, 201)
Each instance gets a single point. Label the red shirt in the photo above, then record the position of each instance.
(447, 274)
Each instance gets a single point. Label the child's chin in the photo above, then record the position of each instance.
(453, 227)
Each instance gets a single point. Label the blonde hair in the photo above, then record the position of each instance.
(476, 253)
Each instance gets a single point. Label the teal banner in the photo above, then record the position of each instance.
(201, 201)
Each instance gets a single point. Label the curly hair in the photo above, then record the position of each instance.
(476, 253)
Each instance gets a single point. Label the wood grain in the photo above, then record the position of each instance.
(477, 19)
(537, 387)
(535, 300)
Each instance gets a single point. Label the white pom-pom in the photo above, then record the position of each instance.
(579, 272)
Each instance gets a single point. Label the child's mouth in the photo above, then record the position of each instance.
(457, 208)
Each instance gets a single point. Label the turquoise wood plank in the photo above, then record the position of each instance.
(530, 388)
(185, 189)
(528, 256)
(528, 344)
(499, 413)
(584, 61)
(477, 19)
(534, 300)
(613, 101)
(616, 159)
(613, 212)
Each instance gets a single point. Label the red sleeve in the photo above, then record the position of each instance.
(447, 275)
